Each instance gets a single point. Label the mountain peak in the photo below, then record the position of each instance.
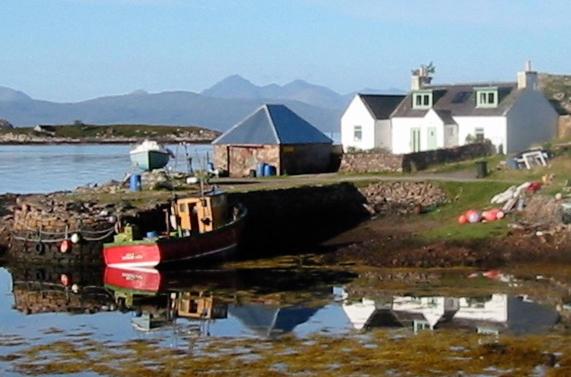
(11, 95)
(234, 86)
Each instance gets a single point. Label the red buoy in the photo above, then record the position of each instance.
(65, 246)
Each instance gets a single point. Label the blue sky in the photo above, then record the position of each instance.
(68, 50)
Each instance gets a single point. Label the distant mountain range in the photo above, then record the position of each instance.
(218, 107)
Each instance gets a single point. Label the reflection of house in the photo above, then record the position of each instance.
(495, 313)
(270, 320)
(277, 136)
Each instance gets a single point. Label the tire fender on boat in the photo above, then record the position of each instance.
(40, 248)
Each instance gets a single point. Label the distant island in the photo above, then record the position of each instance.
(105, 134)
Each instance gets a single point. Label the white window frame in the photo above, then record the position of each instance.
(357, 129)
(483, 99)
(425, 97)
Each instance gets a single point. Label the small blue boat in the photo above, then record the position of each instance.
(150, 155)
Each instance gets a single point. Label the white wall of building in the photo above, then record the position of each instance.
(531, 120)
(494, 127)
(402, 128)
(357, 114)
(383, 134)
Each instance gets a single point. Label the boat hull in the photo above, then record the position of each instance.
(211, 245)
(150, 160)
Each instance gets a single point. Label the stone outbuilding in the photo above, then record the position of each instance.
(277, 136)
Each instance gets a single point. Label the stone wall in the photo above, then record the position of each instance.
(242, 159)
(423, 160)
(377, 162)
(371, 162)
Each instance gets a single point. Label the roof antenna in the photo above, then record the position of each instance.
(528, 65)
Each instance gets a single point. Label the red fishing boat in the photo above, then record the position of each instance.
(198, 228)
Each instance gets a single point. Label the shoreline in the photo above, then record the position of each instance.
(104, 142)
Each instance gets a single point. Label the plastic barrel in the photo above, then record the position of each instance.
(260, 169)
(152, 234)
(135, 182)
(269, 171)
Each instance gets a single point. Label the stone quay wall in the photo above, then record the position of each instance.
(382, 161)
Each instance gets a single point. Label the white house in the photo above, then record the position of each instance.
(513, 116)
(366, 121)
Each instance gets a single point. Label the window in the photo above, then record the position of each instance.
(422, 100)
(479, 132)
(487, 97)
(357, 134)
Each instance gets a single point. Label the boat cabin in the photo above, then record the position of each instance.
(200, 306)
(201, 214)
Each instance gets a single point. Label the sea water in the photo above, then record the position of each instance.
(46, 168)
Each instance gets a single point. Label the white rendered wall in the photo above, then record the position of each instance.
(357, 115)
(401, 132)
(383, 134)
(531, 120)
(494, 128)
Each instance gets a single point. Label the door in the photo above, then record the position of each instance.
(432, 142)
(415, 140)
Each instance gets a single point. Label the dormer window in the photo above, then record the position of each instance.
(487, 97)
(422, 99)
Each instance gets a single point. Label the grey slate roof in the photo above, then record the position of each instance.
(460, 100)
(273, 124)
(381, 106)
(446, 116)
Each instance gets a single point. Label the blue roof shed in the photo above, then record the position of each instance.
(273, 125)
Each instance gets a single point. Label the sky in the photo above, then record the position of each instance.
(71, 50)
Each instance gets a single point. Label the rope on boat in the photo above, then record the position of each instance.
(38, 235)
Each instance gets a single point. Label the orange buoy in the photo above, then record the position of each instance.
(65, 246)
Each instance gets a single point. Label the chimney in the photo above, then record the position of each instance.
(416, 82)
(528, 78)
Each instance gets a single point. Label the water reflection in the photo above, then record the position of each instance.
(58, 290)
(119, 304)
(490, 314)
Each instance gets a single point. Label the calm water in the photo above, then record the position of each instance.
(45, 168)
(175, 308)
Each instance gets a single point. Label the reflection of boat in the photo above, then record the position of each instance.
(203, 227)
(150, 155)
(159, 298)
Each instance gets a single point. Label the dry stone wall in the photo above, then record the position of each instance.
(380, 162)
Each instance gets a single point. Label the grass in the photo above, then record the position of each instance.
(464, 196)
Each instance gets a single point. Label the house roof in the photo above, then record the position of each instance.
(273, 124)
(381, 106)
(460, 100)
(445, 116)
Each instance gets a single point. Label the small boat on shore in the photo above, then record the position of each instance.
(150, 155)
(198, 228)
